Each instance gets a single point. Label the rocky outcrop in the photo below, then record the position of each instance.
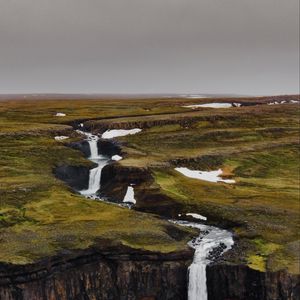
(77, 177)
(109, 147)
(108, 275)
(239, 282)
(116, 178)
(82, 146)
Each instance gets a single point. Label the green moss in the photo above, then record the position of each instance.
(257, 146)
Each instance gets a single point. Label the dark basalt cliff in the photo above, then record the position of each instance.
(82, 146)
(103, 275)
(126, 274)
(77, 177)
(239, 282)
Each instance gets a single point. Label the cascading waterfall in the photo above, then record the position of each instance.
(211, 242)
(95, 173)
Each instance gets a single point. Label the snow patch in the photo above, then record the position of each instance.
(197, 216)
(283, 102)
(209, 105)
(110, 134)
(59, 114)
(129, 196)
(60, 138)
(116, 157)
(236, 104)
(211, 176)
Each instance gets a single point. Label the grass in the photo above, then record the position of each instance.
(257, 146)
(260, 150)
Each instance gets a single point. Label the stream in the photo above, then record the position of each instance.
(212, 242)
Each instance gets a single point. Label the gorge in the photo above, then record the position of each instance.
(210, 238)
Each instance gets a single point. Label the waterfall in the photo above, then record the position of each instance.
(93, 140)
(212, 241)
(95, 173)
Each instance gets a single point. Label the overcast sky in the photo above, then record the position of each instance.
(149, 46)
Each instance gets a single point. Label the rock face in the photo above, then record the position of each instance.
(109, 148)
(238, 282)
(107, 276)
(116, 178)
(77, 177)
(82, 146)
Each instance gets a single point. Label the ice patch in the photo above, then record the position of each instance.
(129, 196)
(236, 104)
(59, 114)
(283, 102)
(211, 176)
(110, 134)
(197, 216)
(116, 157)
(209, 105)
(60, 138)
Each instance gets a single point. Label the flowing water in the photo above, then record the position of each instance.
(211, 242)
(95, 173)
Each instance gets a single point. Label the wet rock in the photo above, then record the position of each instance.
(109, 147)
(77, 177)
(82, 146)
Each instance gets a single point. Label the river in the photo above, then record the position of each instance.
(211, 242)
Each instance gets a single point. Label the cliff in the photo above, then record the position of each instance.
(239, 282)
(93, 274)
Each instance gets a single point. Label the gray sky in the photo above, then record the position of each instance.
(149, 46)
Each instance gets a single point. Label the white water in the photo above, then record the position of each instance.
(100, 160)
(209, 239)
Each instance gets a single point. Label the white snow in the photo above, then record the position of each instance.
(211, 176)
(283, 102)
(60, 138)
(110, 134)
(237, 104)
(59, 114)
(129, 196)
(116, 157)
(209, 105)
(197, 216)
